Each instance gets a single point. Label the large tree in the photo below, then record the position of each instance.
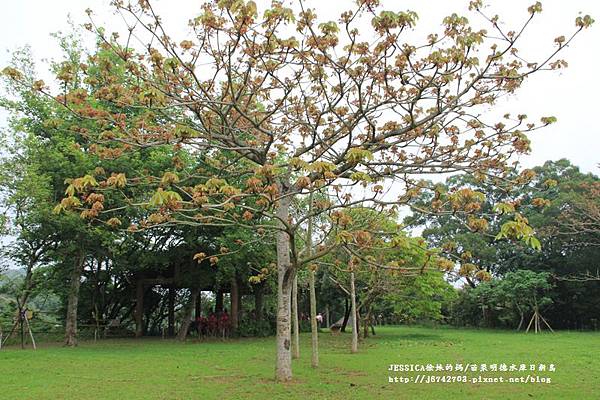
(281, 104)
(559, 202)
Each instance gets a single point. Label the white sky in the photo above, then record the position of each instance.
(569, 95)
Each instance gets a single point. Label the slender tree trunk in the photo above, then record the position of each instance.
(358, 321)
(240, 303)
(295, 324)
(23, 329)
(158, 318)
(171, 313)
(258, 302)
(219, 302)
(520, 316)
(187, 315)
(139, 309)
(75, 284)
(235, 294)
(27, 285)
(285, 277)
(314, 333)
(198, 310)
(22, 300)
(314, 330)
(520, 321)
(354, 313)
(346, 315)
(96, 296)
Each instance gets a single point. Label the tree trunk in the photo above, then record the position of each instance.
(521, 322)
(139, 309)
(285, 277)
(22, 302)
(346, 315)
(171, 313)
(198, 310)
(235, 303)
(187, 315)
(521, 314)
(295, 324)
(219, 302)
(71, 321)
(258, 302)
(27, 285)
(159, 316)
(314, 334)
(240, 302)
(355, 320)
(22, 329)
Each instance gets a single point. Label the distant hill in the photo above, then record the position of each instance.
(12, 273)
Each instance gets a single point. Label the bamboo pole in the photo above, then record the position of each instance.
(547, 324)
(30, 333)
(530, 322)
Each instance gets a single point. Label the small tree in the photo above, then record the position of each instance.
(526, 292)
(508, 299)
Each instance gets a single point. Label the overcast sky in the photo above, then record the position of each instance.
(570, 95)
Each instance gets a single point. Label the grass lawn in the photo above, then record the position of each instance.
(243, 369)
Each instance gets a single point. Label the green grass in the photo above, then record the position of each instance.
(241, 369)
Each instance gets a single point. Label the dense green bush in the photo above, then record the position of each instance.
(250, 327)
